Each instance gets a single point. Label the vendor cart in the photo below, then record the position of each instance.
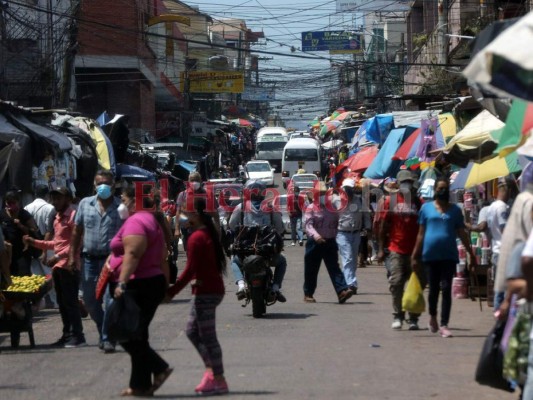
(17, 313)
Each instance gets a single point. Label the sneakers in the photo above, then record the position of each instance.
(344, 295)
(413, 326)
(280, 297)
(397, 324)
(211, 386)
(207, 375)
(445, 332)
(61, 341)
(309, 299)
(75, 341)
(433, 325)
(301, 242)
(108, 347)
(293, 244)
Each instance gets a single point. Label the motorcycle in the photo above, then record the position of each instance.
(256, 246)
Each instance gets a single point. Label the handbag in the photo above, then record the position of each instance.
(489, 371)
(103, 279)
(413, 297)
(123, 318)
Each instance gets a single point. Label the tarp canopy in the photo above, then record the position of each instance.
(383, 165)
(132, 172)
(474, 142)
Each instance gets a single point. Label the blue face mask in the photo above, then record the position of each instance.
(103, 191)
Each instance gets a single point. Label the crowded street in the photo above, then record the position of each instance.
(298, 350)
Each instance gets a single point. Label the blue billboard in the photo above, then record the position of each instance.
(336, 41)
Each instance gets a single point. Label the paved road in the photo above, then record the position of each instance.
(299, 351)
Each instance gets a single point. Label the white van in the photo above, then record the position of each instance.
(300, 153)
(270, 148)
(272, 131)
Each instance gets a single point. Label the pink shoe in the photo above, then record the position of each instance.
(207, 375)
(212, 386)
(445, 332)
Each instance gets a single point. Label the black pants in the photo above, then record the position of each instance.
(67, 284)
(148, 294)
(439, 277)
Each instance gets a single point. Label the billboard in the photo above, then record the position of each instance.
(372, 5)
(213, 82)
(345, 41)
(253, 93)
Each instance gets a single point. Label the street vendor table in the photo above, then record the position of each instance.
(14, 324)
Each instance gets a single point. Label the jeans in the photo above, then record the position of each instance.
(314, 254)
(279, 261)
(96, 308)
(400, 271)
(66, 284)
(296, 228)
(148, 294)
(498, 296)
(348, 244)
(440, 276)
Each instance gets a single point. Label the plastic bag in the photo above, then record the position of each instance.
(515, 360)
(123, 318)
(413, 296)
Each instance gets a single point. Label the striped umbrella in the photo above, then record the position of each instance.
(329, 126)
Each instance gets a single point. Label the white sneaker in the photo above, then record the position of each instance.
(396, 324)
(293, 244)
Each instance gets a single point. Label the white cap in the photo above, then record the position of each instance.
(348, 182)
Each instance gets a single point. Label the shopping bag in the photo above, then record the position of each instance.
(515, 360)
(489, 371)
(103, 280)
(123, 318)
(413, 296)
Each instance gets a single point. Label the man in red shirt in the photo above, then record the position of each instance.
(398, 222)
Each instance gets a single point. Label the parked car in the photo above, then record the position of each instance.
(260, 170)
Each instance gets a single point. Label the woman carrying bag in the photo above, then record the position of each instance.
(137, 253)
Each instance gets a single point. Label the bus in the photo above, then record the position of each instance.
(270, 148)
(300, 153)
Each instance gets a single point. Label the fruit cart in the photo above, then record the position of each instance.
(17, 315)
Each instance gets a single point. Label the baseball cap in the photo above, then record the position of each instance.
(348, 182)
(404, 175)
(62, 190)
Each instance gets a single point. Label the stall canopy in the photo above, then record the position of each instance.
(474, 142)
(384, 165)
(359, 161)
(20, 148)
(133, 172)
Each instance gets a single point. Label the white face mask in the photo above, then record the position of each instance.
(123, 211)
(195, 185)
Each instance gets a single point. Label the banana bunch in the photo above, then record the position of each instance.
(27, 284)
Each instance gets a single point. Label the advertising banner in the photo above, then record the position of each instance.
(372, 5)
(252, 93)
(213, 82)
(345, 41)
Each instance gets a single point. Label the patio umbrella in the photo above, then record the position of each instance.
(360, 161)
(314, 123)
(329, 126)
(504, 65)
(474, 142)
(517, 128)
(475, 173)
(346, 114)
(241, 122)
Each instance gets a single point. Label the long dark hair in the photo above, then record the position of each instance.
(200, 206)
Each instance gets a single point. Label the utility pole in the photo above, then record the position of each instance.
(442, 23)
(52, 59)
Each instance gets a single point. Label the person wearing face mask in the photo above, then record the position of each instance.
(17, 222)
(397, 220)
(321, 225)
(66, 281)
(256, 213)
(440, 222)
(97, 222)
(352, 220)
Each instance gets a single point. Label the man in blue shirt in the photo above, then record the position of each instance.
(96, 223)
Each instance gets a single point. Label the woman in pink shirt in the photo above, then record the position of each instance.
(137, 253)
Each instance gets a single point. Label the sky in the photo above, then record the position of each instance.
(300, 82)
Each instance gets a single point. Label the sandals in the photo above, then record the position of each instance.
(136, 393)
(159, 379)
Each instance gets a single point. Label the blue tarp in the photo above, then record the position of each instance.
(187, 166)
(125, 171)
(375, 130)
(383, 165)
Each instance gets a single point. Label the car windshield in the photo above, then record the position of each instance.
(301, 155)
(270, 146)
(258, 167)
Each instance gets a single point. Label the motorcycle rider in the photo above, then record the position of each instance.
(255, 214)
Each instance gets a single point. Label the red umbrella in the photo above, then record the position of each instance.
(360, 161)
(403, 153)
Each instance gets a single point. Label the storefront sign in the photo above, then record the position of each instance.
(372, 5)
(213, 82)
(345, 41)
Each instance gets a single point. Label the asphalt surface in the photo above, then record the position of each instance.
(297, 351)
